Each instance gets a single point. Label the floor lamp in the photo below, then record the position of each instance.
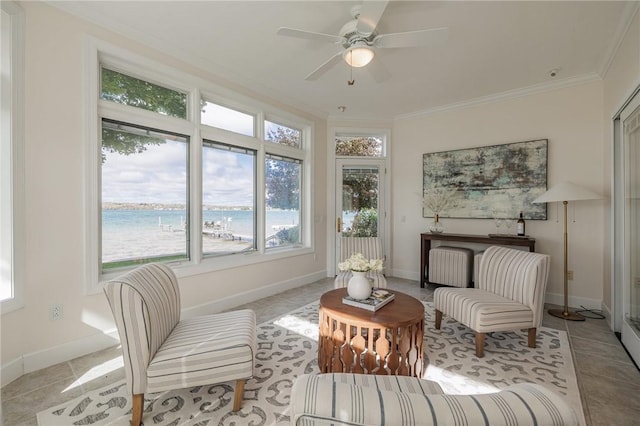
(565, 192)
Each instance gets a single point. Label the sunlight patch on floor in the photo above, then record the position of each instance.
(455, 383)
(97, 372)
(299, 325)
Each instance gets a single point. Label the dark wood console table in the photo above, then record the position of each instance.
(427, 237)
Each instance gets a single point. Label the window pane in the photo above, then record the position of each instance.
(282, 178)
(359, 146)
(227, 119)
(6, 163)
(360, 192)
(127, 90)
(281, 134)
(144, 196)
(228, 198)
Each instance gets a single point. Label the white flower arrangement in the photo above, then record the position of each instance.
(438, 199)
(357, 262)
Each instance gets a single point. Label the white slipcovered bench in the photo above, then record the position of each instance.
(450, 266)
(360, 399)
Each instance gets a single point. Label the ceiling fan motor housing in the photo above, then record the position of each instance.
(350, 31)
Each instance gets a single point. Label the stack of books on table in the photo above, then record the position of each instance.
(379, 297)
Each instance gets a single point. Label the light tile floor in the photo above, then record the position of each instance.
(609, 382)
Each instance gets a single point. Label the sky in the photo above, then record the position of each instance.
(159, 175)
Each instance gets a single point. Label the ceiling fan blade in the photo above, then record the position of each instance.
(378, 71)
(412, 38)
(370, 14)
(330, 63)
(309, 35)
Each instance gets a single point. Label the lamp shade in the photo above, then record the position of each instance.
(566, 191)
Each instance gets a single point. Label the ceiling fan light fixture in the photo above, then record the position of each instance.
(358, 56)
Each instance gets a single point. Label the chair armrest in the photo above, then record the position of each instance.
(318, 401)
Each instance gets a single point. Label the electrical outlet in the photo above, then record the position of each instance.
(570, 275)
(55, 312)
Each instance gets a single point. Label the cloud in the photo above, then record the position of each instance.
(159, 175)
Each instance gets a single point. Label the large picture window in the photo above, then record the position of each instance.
(216, 189)
(282, 181)
(228, 199)
(144, 196)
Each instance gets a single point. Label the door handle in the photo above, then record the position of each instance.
(339, 225)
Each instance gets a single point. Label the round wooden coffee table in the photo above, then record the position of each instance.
(355, 340)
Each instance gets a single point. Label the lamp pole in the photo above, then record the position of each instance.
(565, 314)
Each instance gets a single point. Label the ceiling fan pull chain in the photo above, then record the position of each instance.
(351, 82)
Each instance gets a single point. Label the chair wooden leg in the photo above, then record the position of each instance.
(479, 345)
(438, 319)
(532, 337)
(238, 394)
(138, 405)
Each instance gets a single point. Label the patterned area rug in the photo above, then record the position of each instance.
(287, 348)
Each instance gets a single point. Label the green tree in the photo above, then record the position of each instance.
(282, 177)
(125, 143)
(365, 224)
(127, 90)
(366, 146)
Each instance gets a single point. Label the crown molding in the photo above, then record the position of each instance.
(509, 94)
(630, 11)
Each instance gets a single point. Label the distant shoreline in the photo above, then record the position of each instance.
(161, 207)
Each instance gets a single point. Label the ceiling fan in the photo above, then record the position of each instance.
(359, 39)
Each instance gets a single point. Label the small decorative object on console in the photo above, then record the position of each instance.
(436, 200)
(521, 226)
(378, 298)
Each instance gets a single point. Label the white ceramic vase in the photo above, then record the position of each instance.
(359, 286)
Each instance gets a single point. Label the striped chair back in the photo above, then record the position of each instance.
(517, 275)
(146, 307)
(370, 247)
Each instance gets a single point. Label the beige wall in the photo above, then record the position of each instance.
(570, 118)
(576, 120)
(55, 123)
(621, 79)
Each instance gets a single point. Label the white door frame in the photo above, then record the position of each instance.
(621, 242)
(385, 199)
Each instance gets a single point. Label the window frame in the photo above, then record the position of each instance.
(13, 136)
(99, 54)
(144, 260)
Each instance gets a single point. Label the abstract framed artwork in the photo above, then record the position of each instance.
(489, 181)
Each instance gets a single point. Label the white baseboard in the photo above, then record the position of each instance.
(573, 302)
(556, 299)
(33, 361)
(252, 295)
(11, 371)
(403, 273)
(70, 350)
(607, 313)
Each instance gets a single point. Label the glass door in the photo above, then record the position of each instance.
(630, 140)
(359, 199)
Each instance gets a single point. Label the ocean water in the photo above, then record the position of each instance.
(130, 234)
(238, 221)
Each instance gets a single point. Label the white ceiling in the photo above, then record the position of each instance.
(492, 48)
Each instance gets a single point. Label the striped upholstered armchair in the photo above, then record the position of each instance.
(163, 353)
(371, 248)
(360, 399)
(509, 295)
